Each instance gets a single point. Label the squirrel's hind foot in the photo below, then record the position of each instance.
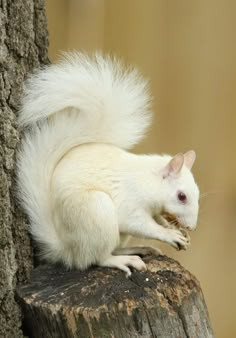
(124, 263)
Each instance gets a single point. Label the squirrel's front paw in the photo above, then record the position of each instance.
(179, 240)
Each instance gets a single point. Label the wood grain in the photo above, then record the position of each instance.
(165, 301)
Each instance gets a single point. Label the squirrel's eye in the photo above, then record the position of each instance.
(182, 197)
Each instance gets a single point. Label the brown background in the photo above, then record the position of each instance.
(188, 50)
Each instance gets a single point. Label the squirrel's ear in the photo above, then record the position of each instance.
(174, 166)
(189, 158)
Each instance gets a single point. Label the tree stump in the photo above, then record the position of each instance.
(165, 301)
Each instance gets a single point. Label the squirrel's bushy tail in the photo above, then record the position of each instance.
(82, 99)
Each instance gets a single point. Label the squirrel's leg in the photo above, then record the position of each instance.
(140, 250)
(137, 250)
(162, 221)
(143, 225)
(95, 233)
(89, 230)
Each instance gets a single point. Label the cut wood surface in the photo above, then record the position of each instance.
(164, 301)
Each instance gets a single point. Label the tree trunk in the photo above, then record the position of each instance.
(23, 46)
(165, 301)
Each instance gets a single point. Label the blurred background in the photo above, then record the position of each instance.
(188, 51)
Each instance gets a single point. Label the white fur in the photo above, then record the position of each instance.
(111, 104)
(78, 187)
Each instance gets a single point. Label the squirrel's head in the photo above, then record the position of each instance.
(181, 192)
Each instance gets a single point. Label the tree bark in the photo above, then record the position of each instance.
(165, 301)
(23, 46)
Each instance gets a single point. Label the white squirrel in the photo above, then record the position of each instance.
(83, 192)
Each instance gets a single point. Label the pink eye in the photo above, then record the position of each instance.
(182, 197)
